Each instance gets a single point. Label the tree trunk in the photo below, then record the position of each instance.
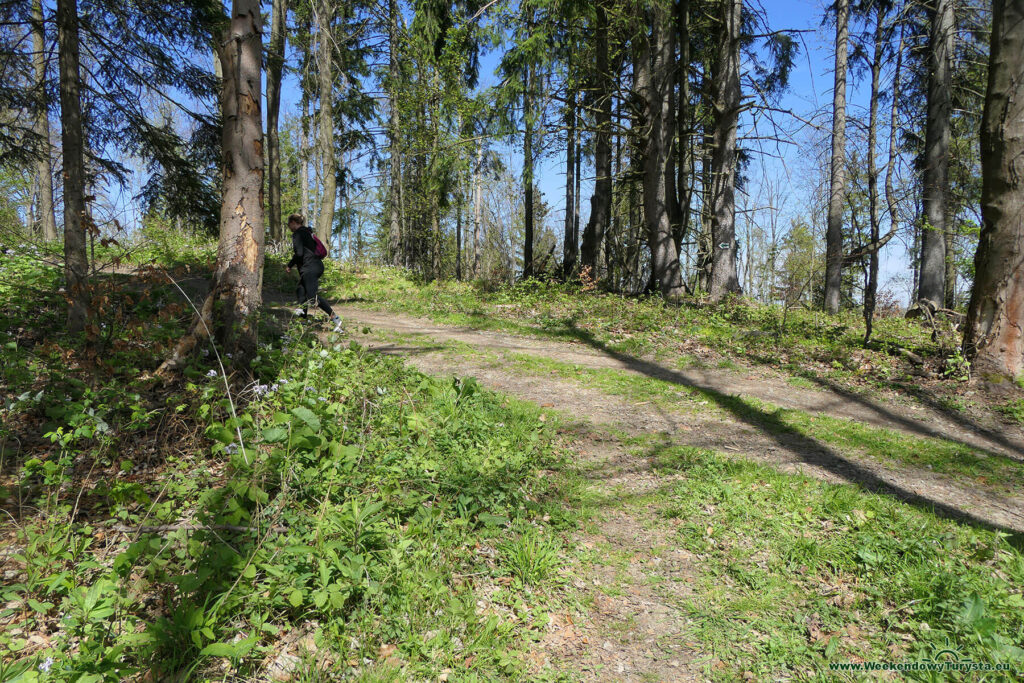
(890, 167)
(528, 173)
(325, 80)
(578, 154)
(478, 207)
(653, 78)
(44, 173)
(683, 191)
(871, 286)
(935, 181)
(458, 233)
(568, 241)
(993, 337)
(275, 65)
(725, 113)
(304, 157)
(395, 233)
(600, 203)
(229, 310)
(76, 265)
(837, 179)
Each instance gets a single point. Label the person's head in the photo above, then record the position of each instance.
(296, 221)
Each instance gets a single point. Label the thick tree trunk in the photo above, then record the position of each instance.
(528, 173)
(935, 181)
(395, 231)
(568, 240)
(229, 311)
(76, 265)
(44, 173)
(871, 286)
(994, 335)
(601, 202)
(275, 65)
(653, 78)
(725, 112)
(325, 82)
(837, 179)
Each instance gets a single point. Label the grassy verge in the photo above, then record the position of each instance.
(795, 574)
(339, 515)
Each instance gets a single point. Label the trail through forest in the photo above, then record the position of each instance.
(643, 605)
(754, 434)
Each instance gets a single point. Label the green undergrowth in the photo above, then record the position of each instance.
(338, 515)
(794, 573)
(689, 334)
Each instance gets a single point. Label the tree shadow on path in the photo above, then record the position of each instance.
(807, 449)
(987, 439)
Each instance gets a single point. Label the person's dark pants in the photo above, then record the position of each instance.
(309, 285)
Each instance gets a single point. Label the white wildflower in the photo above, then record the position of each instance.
(231, 448)
(45, 666)
(211, 373)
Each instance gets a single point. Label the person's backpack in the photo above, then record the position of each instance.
(319, 249)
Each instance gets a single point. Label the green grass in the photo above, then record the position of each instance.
(795, 572)
(1013, 409)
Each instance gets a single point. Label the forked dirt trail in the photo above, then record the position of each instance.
(732, 428)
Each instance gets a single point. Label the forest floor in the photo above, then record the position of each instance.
(530, 483)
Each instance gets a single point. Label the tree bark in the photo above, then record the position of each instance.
(600, 203)
(229, 311)
(871, 286)
(725, 113)
(568, 240)
(275, 66)
(994, 334)
(528, 173)
(890, 167)
(395, 231)
(837, 179)
(935, 180)
(76, 265)
(325, 81)
(653, 78)
(478, 207)
(44, 171)
(683, 190)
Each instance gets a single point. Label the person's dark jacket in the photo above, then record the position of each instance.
(305, 251)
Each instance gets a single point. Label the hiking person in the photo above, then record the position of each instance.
(309, 253)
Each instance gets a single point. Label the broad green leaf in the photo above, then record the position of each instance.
(307, 416)
(275, 434)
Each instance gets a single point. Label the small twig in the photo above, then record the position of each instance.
(188, 526)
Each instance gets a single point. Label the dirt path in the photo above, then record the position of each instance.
(741, 431)
(830, 399)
